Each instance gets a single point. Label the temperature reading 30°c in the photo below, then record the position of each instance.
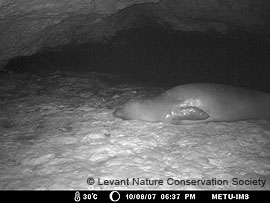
(91, 196)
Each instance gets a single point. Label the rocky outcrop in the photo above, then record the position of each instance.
(28, 26)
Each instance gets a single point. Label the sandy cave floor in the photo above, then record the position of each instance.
(58, 131)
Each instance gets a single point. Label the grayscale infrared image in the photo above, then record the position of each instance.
(141, 95)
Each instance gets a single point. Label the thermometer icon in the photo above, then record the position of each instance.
(77, 197)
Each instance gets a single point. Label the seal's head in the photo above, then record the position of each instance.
(142, 109)
(129, 110)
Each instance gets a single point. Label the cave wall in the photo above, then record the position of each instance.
(29, 26)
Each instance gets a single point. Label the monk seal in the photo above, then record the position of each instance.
(198, 102)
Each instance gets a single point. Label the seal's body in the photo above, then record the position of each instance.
(198, 102)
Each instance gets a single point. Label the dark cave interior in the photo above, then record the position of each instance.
(161, 57)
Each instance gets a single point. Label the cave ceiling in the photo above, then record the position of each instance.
(28, 26)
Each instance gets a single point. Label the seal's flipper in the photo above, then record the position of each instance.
(192, 113)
